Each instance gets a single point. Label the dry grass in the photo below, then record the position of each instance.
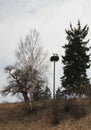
(14, 116)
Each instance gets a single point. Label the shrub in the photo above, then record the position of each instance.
(78, 111)
(75, 108)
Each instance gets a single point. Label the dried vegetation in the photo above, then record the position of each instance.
(72, 114)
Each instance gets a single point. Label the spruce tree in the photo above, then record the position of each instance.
(47, 93)
(76, 60)
(58, 93)
(42, 94)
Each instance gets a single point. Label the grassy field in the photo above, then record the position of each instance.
(72, 114)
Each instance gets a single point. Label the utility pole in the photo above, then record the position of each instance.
(54, 59)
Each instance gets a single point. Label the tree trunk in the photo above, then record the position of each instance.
(26, 98)
(27, 102)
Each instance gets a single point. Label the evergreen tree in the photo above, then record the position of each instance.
(42, 94)
(76, 60)
(58, 93)
(39, 92)
(47, 93)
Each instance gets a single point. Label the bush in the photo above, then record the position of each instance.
(75, 108)
(78, 111)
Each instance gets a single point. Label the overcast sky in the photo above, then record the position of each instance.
(49, 17)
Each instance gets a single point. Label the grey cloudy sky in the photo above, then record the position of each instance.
(49, 17)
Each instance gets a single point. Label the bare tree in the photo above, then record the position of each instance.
(30, 68)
